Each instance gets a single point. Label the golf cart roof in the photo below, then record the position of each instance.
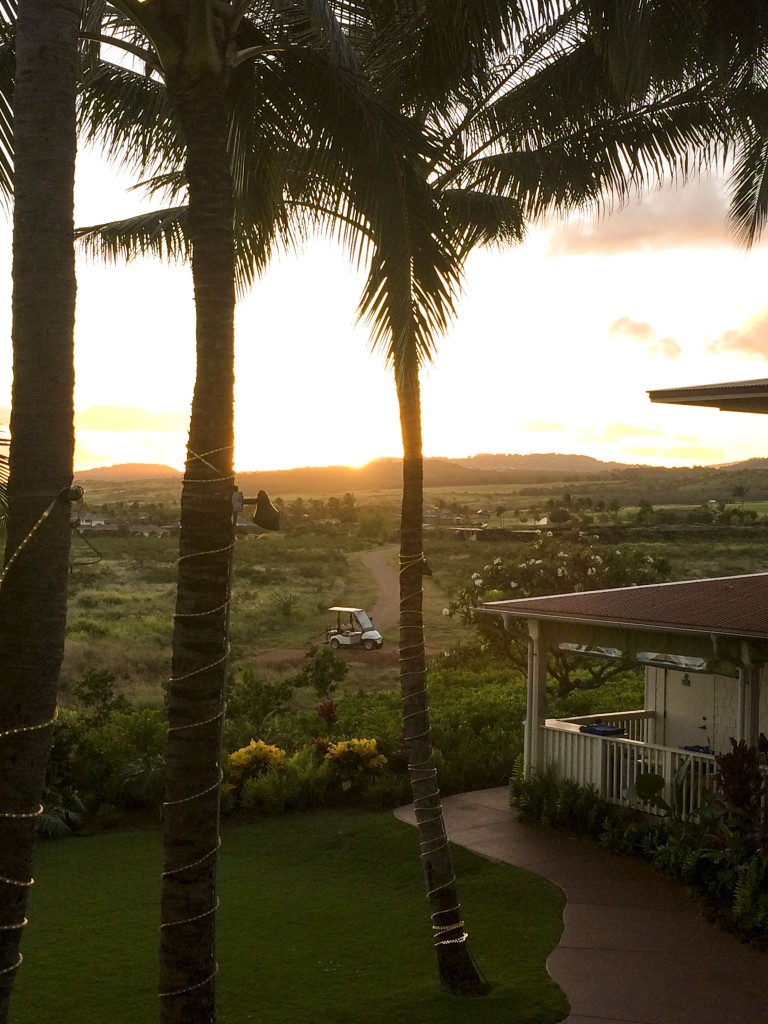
(336, 608)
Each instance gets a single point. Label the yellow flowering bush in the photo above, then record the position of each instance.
(353, 758)
(256, 759)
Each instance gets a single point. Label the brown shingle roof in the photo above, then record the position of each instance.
(728, 605)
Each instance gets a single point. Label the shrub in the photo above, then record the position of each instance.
(322, 670)
(94, 763)
(725, 868)
(250, 701)
(143, 780)
(284, 604)
(560, 804)
(302, 784)
(257, 758)
(351, 758)
(95, 693)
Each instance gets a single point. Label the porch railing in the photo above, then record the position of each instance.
(637, 725)
(611, 764)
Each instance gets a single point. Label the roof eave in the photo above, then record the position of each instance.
(632, 637)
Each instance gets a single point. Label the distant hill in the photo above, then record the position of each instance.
(532, 475)
(387, 474)
(756, 463)
(129, 471)
(551, 462)
(380, 474)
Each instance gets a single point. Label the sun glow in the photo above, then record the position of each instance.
(554, 347)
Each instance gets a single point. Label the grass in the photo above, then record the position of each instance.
(323, 917)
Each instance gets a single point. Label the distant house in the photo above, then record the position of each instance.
(89, 520)
(704, 647)
(93, 522)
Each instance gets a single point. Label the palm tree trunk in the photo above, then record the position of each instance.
(457, 969)
(200, 646)
(33, 594)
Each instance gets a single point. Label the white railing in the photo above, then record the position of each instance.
(637, 725)
(612, 764)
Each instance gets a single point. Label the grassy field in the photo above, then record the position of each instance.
(323, 918)
(121, 607)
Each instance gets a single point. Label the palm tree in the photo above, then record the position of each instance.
(506, 142)
(34, 580)
(371, 181)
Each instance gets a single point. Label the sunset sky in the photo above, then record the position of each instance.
(556, 343)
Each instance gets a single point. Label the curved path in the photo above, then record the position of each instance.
(634, 949)
(379, 563)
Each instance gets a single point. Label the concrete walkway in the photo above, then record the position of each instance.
(635, 949)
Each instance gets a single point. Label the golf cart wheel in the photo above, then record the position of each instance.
(368, 645)
(335, 643)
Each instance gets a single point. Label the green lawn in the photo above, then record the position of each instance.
(323, 918)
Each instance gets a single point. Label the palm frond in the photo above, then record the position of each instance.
(483, 219)
(129, 117)
(368, 163)
(748, 183)
(425, 52)
(94, 15)
(560, 135)
(161, 234)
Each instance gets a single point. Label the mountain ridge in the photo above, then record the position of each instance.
(384, 472)
(381, 474)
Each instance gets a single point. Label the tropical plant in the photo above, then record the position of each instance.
(253, 760)
(33, 581)
(352, 758)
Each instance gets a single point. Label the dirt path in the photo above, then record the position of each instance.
(386, 611)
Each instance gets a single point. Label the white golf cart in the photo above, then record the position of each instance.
(353, 629)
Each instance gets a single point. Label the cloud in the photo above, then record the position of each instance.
(671, 218)
(750, 340)
(631, 329)
(617, 431)
(541, 427)
(120, 418)
(668, 347)
(635, 330)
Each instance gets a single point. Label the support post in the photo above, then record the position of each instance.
(536, 698)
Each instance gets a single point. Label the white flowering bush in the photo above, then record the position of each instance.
(559, 565)
(554, 565)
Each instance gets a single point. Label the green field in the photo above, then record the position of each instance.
(323, 917)
(121, 606)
